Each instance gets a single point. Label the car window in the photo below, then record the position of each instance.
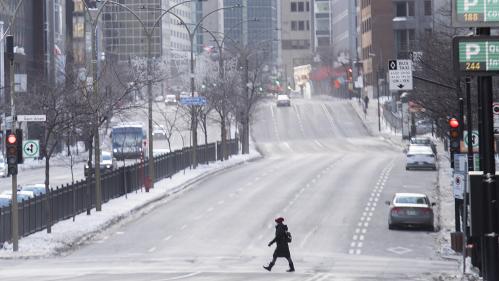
(410, 200)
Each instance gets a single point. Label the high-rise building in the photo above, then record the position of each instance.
(322, 25)
(261, 34)
(376, 38)
(296, 35)
(343, 29)
(214, 22)
(125, 37)
(391, 29)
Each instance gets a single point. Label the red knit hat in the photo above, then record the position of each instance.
(279, 220)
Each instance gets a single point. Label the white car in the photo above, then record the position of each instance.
(420, 157)
(283, 100)
(158, 132)
(37, 188)
(171, 99)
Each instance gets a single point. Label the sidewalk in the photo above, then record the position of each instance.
(370, 120)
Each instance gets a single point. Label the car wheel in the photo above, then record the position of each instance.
(391, 226)
(431, 228)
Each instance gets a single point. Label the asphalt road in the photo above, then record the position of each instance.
(322, 171)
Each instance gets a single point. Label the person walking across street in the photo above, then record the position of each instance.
(282, 238)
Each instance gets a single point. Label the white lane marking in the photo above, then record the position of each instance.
(305, 239)
(364, 230)
(352, 244)
(221, 202)
(183, 227)
(260, 237)
(120, 233)
(199, 217)
(274, 121)
(152, 249)
(210, 209)
(351, 251)
(257, 178)
(319, 144)
(355, 237)
(249, 183)
(359, 245)
(361, 238)
(105, 238)
(167, 238)
(231, 195)
(300, 123)
(358, 251)
(180, 277)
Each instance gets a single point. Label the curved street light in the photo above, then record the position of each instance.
(191, 33)
(148, 33)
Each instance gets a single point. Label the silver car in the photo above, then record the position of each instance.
(420, 157)
(410, 209)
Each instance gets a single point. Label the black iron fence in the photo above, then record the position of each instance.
(69, 200)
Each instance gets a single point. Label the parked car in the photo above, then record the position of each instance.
(21, 195)
(410, 209)
(420, 157)
(283, 100)
(170, 99)
(425, 141)
(107, 163)
(37, 188)
(424, 127)
(4, 200)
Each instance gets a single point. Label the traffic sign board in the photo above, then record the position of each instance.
(474, 139)
(400, 74)
(495, 111)
(478, 54)
(192, 100)
(475, 13)
(31, 118)
(31, 148)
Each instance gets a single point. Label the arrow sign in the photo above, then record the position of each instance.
(400, 75)
(31, 148)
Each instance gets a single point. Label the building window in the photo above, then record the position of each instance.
(307, 4)
(293, 7)
(405, 41)
(294, 25)
(308, 25)
(301, 25)
(427, 8)
(301, 6)
(404, 9)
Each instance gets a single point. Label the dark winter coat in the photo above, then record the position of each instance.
(282, 249)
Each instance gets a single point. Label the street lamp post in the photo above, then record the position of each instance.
(148, 33)
(191, 34)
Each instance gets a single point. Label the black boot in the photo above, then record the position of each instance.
(269, 267)
(291, 268)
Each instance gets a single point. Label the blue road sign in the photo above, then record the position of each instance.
(192, 100)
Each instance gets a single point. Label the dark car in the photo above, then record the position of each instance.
(410, 209)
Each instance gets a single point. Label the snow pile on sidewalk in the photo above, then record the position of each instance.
(67, 234)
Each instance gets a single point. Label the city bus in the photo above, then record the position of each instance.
(128, 141)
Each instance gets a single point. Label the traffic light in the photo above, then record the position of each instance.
(350, 74)
(455, 138)
(11, 152)
(19, 136)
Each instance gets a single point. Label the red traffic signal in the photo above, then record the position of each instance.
(11, 139)
(453, 123)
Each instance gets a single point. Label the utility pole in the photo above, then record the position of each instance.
(490, 234)
(14, 205)
(150, 181)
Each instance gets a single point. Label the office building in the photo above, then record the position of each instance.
(261, 34)
(296, 35)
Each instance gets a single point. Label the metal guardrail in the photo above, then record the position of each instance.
(69, 200)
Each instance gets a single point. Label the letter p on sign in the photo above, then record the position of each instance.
(472, 50)
(469, 3)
